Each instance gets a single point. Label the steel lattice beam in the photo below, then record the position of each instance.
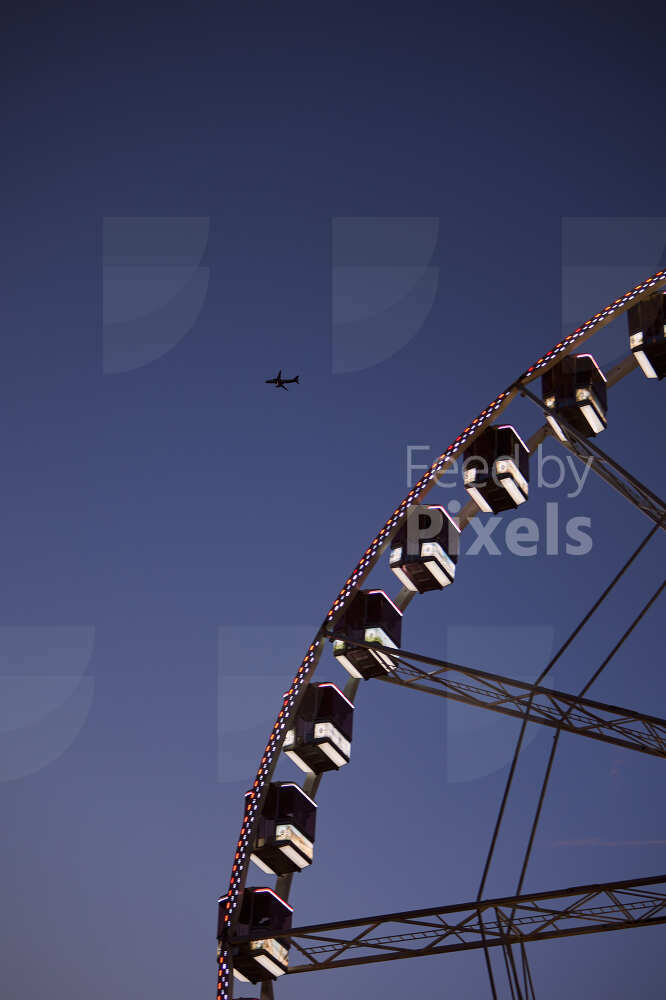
(582, 716)
(633, 491)
(608, 469)
(510, 920)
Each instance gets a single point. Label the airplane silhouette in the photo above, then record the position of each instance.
(279, 382)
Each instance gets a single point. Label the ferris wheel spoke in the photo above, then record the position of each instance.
(534, 703)
(510, 920)
(631, 488)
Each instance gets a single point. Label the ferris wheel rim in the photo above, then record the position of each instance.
(291, 700)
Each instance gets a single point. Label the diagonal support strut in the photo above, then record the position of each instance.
(556, 709)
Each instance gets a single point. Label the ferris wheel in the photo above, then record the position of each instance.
(258, 942)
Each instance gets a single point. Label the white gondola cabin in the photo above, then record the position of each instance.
(371, 617)
(575, 390)
(647, 334)
(285, 830)
(320, 739)
(261, 910)
(497, 469)
(424, 552)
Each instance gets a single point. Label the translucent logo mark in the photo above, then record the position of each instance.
(477, 741)
(44, 696)
(602, 258)
(153, 287)
(255, 665)
(382, 287)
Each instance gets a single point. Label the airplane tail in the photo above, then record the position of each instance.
(296, 379)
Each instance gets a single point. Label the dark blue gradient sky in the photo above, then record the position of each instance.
(175, 530)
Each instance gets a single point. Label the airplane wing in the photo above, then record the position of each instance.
(279, 374)
(283, 386)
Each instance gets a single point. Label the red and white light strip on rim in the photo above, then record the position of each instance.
(254, 798)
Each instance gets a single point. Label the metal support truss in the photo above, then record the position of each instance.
(570, 713)
(617, 477)
(608, 469)
(537, 916)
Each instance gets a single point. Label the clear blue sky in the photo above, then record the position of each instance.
(174, 530)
